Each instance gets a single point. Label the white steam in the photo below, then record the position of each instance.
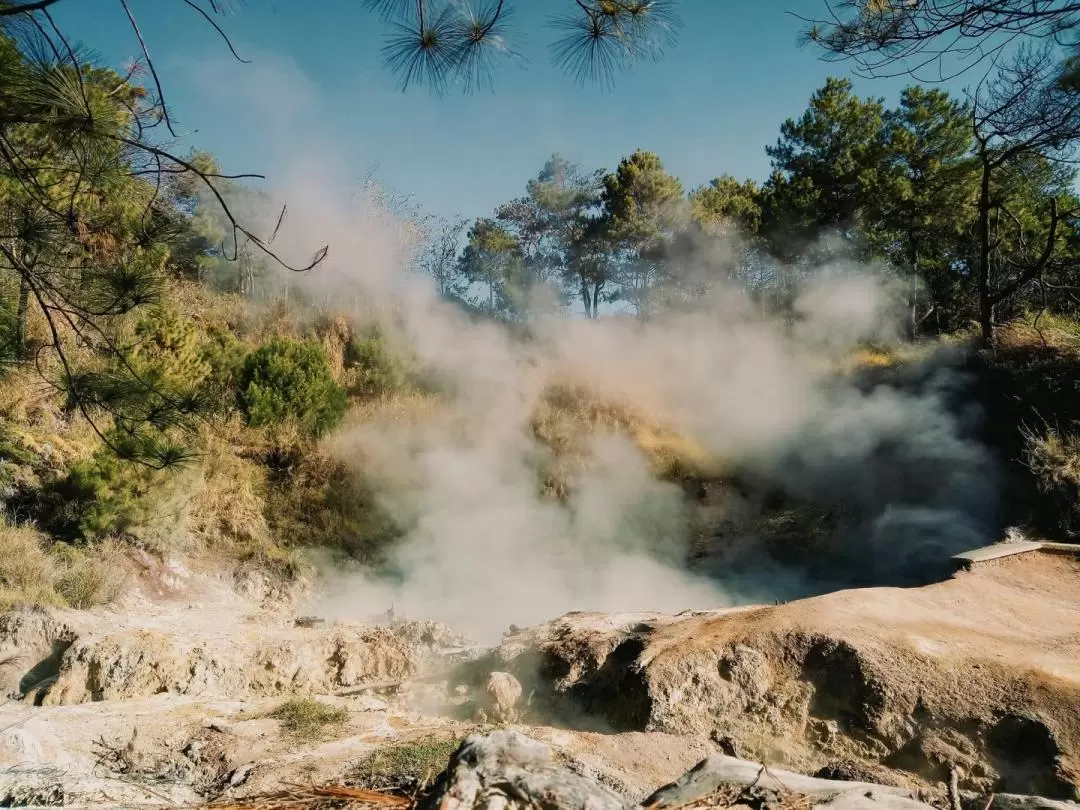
(485, 549)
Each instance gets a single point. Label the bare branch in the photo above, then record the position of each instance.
(218, 28)
(150, 65)
(25, 8)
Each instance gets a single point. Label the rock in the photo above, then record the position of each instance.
(427, 635)
(21, 747)
(890, 678)
(1005, 801)
(721, 772)
(193, 751)
(370, 703)
(857, 771)
(241, 774)
(823, 732)
(503, 692)
(728, 745)
(505, 770)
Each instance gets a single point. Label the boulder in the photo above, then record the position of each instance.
(503, 693)
(505, 770)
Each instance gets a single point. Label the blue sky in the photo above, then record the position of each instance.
(710, 107)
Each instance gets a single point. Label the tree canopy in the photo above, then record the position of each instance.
(852, 179)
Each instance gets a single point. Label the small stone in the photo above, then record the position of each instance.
(241, 774)
(193, 751)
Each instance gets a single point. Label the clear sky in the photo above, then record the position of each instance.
(710, 107)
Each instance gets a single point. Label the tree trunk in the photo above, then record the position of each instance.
(913, 261)
(20, 319)
(986, 302)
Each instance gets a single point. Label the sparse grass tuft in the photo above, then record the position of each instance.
(309, 719)
(404, 768)
(90, 576)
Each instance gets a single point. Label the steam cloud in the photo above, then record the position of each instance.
(486, 549)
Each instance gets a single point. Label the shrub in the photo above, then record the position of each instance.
(100, 496)
(291, 380)
(1054, 459)
(371, 370)
(309, 719)
(182, 355)
(321, 503)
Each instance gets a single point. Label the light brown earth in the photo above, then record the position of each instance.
(170, 696)
(981, 671)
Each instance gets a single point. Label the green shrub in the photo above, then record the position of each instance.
(308, 719)
(291, 380)
(183, 355)
(371, 369)
(99, 497)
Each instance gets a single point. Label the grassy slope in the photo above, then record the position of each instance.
(256, 496)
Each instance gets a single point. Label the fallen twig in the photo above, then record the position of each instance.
(298, 797)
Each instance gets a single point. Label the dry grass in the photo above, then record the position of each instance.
(313, 798)
(93, 576)
(1047, 331)
(227, 510)
(404, 407)
(871, 358)
(568, 415)
(28, 574)
(1054, 457)
(33, 573)
(35, 425)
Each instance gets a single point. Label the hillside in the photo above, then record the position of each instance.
(622, 494)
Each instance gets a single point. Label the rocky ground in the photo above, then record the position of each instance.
(981, 672)
(175, 697)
